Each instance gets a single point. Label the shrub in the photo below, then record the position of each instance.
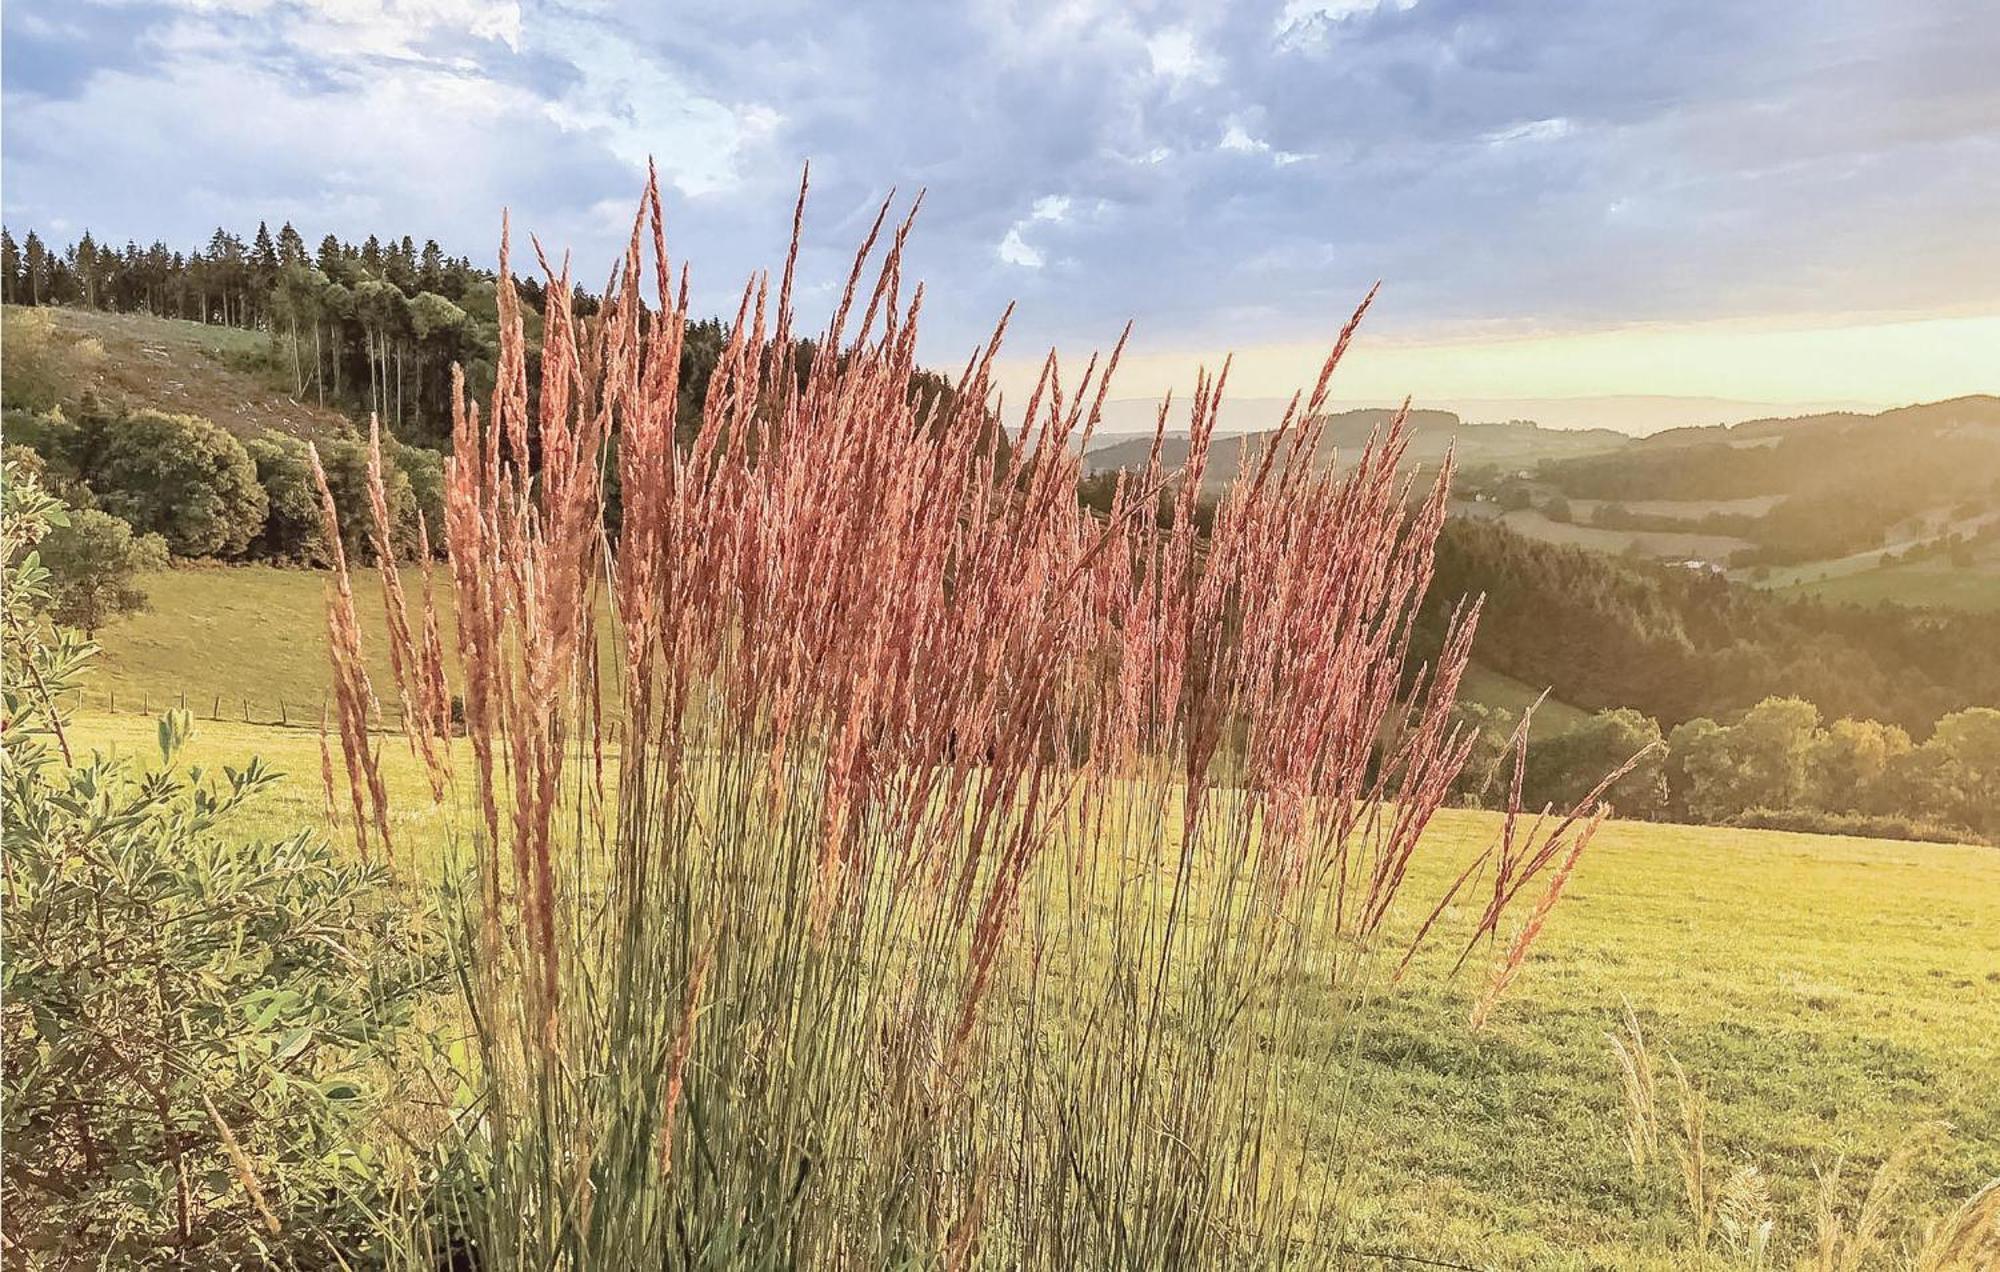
(1815, 821)
(1967, 770)
(41, 366)
(1565, 768)
(291, 530)
(192, 1024)
(180, 477)
(295, 531)
(94, 562)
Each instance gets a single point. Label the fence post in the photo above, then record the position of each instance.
(281, 712)
(215, 711)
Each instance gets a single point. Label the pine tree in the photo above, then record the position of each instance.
(83, 260)
(10, 268)
(37, 259)
(430, 270)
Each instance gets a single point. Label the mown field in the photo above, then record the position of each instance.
(252, 635)
(1832, 995)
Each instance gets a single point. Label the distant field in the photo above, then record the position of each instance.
(1861, 578)
(1683, 509)
(1652, 543)
(1928, 582)
(1830, 993)
(1484, 685)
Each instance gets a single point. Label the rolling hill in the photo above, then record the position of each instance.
(1514, 444)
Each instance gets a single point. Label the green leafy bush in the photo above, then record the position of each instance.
(196, 1028)
(181, 477)
(94, 563)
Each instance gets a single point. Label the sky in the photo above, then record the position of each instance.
(1782, 202)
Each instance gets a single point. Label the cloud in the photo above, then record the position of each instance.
(381, 28)
(1015, 250)
(1533, 130)
(1176, 56)
(1225, 174)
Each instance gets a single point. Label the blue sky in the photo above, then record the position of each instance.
(1523, 174)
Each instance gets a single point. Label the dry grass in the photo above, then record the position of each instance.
(1846, 1233)
(223, 374)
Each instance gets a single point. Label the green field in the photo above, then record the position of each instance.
(252, 637)
(251, 640)
(1928, 582)
(1832, 994)
(1651, 543)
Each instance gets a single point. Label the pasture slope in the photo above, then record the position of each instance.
(250, 640)
(1831, 995)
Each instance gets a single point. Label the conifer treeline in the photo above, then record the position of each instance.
(368, 327)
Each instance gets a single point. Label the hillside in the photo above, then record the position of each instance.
(1602, 631)
(1516, 444)
(248, 642)
(1842, 483)
(1978, 411)
(137, 361)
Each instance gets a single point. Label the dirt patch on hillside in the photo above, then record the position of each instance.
(188, 368)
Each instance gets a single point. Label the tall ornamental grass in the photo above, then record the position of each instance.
(922, 871)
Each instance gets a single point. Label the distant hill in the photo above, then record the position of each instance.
(1840, 483)
(1635, 414)
(1978, 412)
(1602, 631)
(1432, 433)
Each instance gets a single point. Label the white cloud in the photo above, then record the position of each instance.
(1534, 130)
(1304, 24)
(1238, 139)
(640, 109)
(380, 28)
(1176, 56)
(1015, 250)
(1049, 209)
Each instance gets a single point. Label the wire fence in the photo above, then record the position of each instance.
(239, 708)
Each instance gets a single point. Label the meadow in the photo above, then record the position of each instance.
(1832, 994)
(248, 642)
